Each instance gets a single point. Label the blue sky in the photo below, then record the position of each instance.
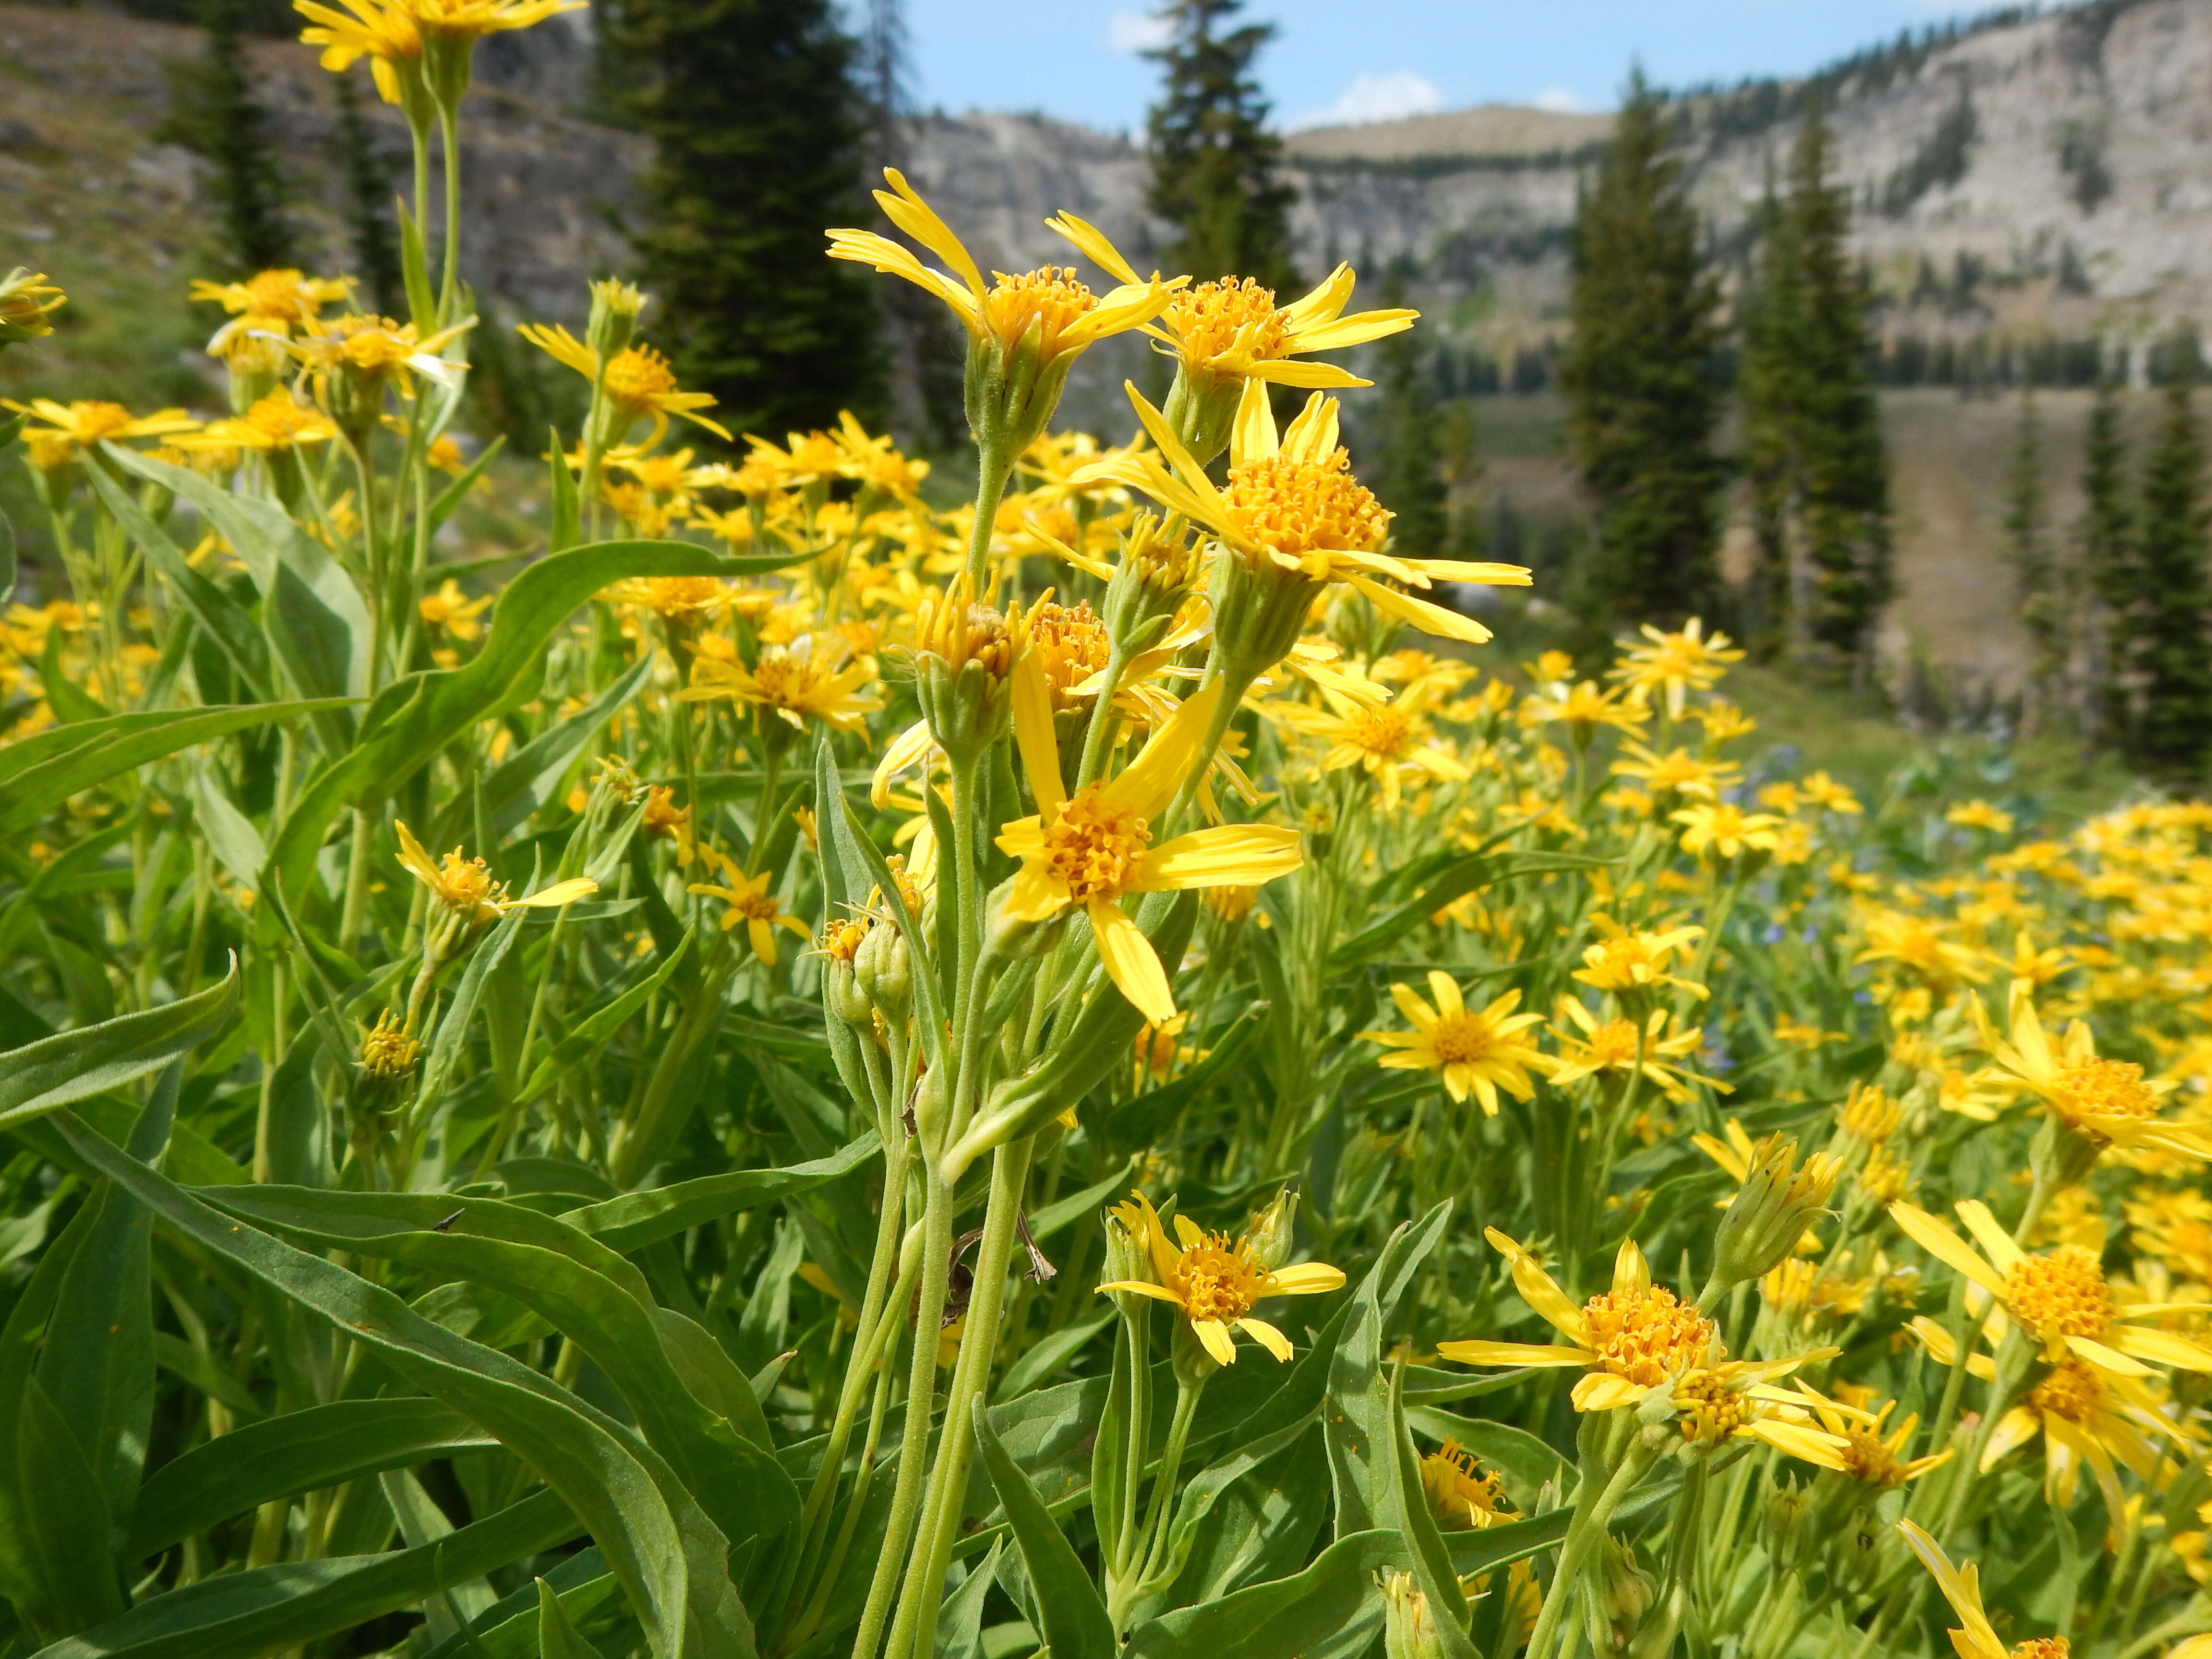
(1375, 58)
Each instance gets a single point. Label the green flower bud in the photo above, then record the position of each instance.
(1778, 1202)
(884, 968)
(1408, 1630)
(615, 307)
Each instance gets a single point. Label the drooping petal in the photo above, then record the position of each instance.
(1143, 1287)
(904, 206)
(1437, 619)
(1094, 245)
(1132, 964)
(1034, 737)
(1996, 1244)
(1213, 1337)
(1601, 1391)
(1265, 1335)
(1150, 781)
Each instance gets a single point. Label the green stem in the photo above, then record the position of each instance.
(449, 142)
(993, 467)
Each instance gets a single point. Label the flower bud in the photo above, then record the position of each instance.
(1150, 582)
(1778, 1202)
(1269, 1235)
(615, 307)
(884, 967)
(1260, 611)
(1203, 416)
(964, 656)
(1408, 1630)
(1625, 1591)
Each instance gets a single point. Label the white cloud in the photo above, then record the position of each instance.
(1138, 30)
(1558, 100)
(1378, 97)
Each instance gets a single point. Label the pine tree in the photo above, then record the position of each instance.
(2040, 605)
(1766, 370)
(1411, 483)
(1641, 401)
(757, 130)
(2104, 541)
(213, 112)
(2165, 639)
(1842, 466)
(1215, 165)
(368, 185)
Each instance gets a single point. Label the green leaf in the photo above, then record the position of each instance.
(220, 616)
(1467, 876)
(24, 1579)
(75, 1066)
(415, 718)
(283, 1456)
(41, 772)
(960, 1620)
(68, 1519)
(228, 832)
(526, 780)
(634, 1220)
(591, 1032)
(1331, 1609)
(1525, 1461)
(1195, 1509)
(557, 1637)
(240, 1615)
(1076, 1625)
(455, 492)
(669, 1556)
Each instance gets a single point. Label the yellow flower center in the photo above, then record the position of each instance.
(842, 938)
(678, 596)
(2102, 1088)
(1870, 1459)
(1050, 298)
(463, 885)
(388, 1051)
(787, 679)
(1072, 645)
(2071, 1390)
(638, 378)
(1383, 733)
(755, 907)
(1298, 508)
(1094, 846)
(952, 626)
(91, 421)
(1462, 1038)
(2061, 1293)
(1218, 1280)
(1708, 1409)
(1646, 1336)
(1234, 314)
(1614, 1043)
(2040, 1647)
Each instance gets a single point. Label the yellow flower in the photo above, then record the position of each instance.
(675, 599)
(387, 1051)
(1612, 1047)
(1232, 329)
(27, 301)
(1087, 851)
(1386, 740)
(1824, 791)
(1677, 772)
(1462, 1498)
(1585, 709)
(70, 428)
(1870, 1455)
(639, 381)
(1962, 1588)
(1216, 1281)
(1723, 831)
(374, 350)
(1675, 664)
(808, 679)
(1483, 1052)
(1735, 1400)
(276, 424)
(392, 34)
(1635, 960)
(753, 905)
(454, 611)
(2059, 1297)
(1065, 316)
(463, 886)
(2108, 1101)
(1628, 1339)
(1291, 507)
(281, 302)
(1980, 815)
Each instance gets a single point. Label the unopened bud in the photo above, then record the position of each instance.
(884, 967)
(1409, 1631)
(615, 307)
(1269, 1235)
(1627, 1591)
(1778, 1202)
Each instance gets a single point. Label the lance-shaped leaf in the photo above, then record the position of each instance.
(72, 1065)
(1076, 1625)
(1332, 1609)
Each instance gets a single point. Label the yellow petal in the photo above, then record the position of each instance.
(1132, 964)
(1429, 618)
(1996, 1244)
(1033, 735)
(1265, 1335)
(1304, 1278)
(1094, 245)
(1601, 1391)
(1213, 1337)
(1229, 854)
(1513, 1353)
(1253, 436)
(1946, 1246)
(2165, 1346)
(1143, 1287)
(560, 892)
(904, 206)
(1150, 781)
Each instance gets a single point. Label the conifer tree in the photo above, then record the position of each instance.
(2036, 596)
(2105, 542)
(1765, 384)
(1215, 165)
(2165, 638)
(1843, 464)
(757, 130)
(1411, 483)
(213, 112)
(1641, 401)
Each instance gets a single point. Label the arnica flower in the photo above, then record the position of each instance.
(811, 678)
(2108, 1101)
(1215, 1281)
(463, 886)
(453, 611)
(276, 424)
(752, 906)
(28, 300)
(1735, 1400)
(1723, 831)
(1631, 961)
(1962, 1588)
(1291, 510)
(1628, 1340)
(2059, 1297)
(1089, 850)
(1585, 707)
(2087, 1416)
(1388, 741)
(374, 351)
(392, 35)
(1593, 1048)
(1675, 774)
(1461, 1497)
(387, 1051)
(70, 429)
(1675, 665)
(1870, 1456)
(1480, 1051)
(280, 302)
(674, 598)
(639, 386)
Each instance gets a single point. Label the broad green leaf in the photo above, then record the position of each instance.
(1194, 1508)
(241, 1615)
(41, 772)
(589, 1595)
(960, 1620)
(669, 1556)
(634, 1220)
(1264, 1525)
(24, 1579)
(76, 1064)
(557, 1637)
(1076, 1625)
(229, 833)
(283, 1456)
(69, 1522)
(415, 718)
(1333, 1609)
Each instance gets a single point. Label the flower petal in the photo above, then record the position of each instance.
(1132, 963)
